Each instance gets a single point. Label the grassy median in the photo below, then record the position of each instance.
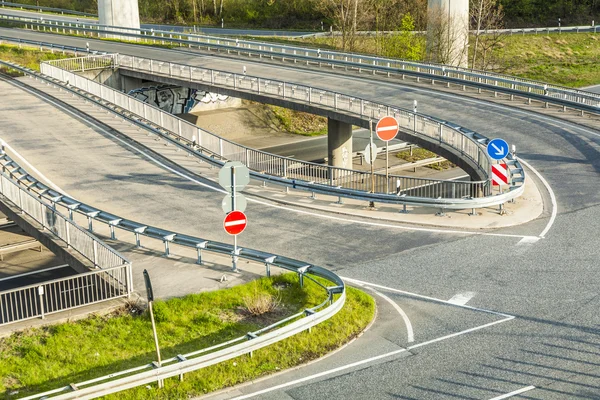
(42, 359)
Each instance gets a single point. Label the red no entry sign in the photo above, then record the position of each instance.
(235, 222)
(499, 174)
(387, 128)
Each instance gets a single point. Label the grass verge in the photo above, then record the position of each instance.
(27, 57)
(41, 359)
(300, 123)
(418, 154)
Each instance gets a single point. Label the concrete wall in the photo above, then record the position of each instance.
(178, 99)
(123, 13)
(448, 31)
(108, 77)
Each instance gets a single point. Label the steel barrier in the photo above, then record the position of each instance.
(405, 196)
(175, 366)
(112, 280)
(465, 144)
(40, 8)
(489, 81)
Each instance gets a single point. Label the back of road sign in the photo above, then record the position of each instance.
(370, 153)
(241, 175)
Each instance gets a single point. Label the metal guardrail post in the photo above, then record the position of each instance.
(41, 297)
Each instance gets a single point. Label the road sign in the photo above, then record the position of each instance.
(235, 222)
(497, 149)
(370, 153)
(240, 203)
(499, 174)
(241, 174)
(387, 128)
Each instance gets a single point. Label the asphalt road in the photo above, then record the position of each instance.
(541, 275)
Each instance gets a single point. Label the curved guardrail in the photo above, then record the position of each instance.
(563, 96)
(177, 366)
(469, 201)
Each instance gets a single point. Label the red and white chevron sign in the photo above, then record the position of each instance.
(499, 174)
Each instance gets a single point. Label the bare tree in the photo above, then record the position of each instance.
(486, 17)
(347, 16)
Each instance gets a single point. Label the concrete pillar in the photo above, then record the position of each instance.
(124, 13)
(448, 32)
(339, 143)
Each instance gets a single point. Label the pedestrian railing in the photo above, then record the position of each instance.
(409, 192)
(465, 144)
(41, 299)
(113, 278)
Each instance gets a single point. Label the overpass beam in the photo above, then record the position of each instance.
(339, 143)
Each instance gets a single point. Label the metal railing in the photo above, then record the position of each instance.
(463, 143)
(41, 299)
(395, 198)
(489, 81)
(76, 238)
(40, 8)
(113, 280)
(177, 366)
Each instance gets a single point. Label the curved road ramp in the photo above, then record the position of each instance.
(462, 146)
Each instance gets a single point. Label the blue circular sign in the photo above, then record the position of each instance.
(497, 149)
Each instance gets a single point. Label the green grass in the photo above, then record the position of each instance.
(300, 123)
(419, 154)
(568, 59)
(27, 57)
(41, 359)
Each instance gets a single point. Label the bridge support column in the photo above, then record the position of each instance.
(339, 143)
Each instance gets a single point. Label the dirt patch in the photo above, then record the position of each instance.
(253, 125)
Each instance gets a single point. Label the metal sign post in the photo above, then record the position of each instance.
(387, 129)
(234, 176)
(150, 295)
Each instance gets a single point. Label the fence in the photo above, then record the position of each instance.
(63, 294)
(113, 280)
(462, 143)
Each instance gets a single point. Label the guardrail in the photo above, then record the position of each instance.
(50, 9)
(404, 196)
(177, 366)
(527, 88)
(464, 144)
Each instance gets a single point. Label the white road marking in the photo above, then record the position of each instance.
(32, 168)
(329, 217)
(409, 329)
(420, 296)
(34, 272)
(368, 360)
(528, 240)
(552, 199)
(461, 298)
(516, 392)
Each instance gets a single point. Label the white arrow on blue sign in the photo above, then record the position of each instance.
(497, 149)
